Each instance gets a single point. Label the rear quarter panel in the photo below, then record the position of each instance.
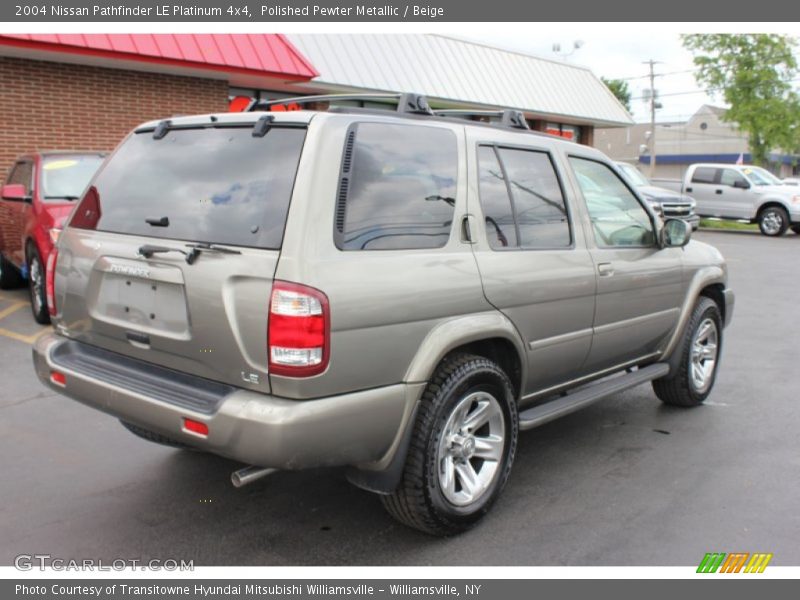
(383, 303)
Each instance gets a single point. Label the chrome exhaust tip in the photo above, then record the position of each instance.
(248, 475)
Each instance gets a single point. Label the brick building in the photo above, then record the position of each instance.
(85, 92)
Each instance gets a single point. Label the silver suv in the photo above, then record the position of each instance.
(401, 293)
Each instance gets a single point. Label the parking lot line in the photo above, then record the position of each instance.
(28, 339)
(11, 309)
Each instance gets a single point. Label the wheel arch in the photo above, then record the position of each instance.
(769, 203)
(708, 282)
(716, 292)
(491, 335)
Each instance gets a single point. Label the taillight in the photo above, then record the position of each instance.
(298, 337)
(50, 281)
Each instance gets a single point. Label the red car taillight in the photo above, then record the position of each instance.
(50, 281)
(298, 336)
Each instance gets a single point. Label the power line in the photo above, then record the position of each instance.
(701, 91)
(659, 74)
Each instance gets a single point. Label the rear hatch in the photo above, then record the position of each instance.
(170, 255)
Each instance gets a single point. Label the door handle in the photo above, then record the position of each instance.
(688, 190)
(605, 269)
(719, 192)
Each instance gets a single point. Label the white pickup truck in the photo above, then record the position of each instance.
(741, 192)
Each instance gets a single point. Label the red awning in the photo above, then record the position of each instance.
(249, 55)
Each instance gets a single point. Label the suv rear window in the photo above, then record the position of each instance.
(398, 187)
(215, 185)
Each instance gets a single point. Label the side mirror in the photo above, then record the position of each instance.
(16, 192)
(741, 184)
(676, 233)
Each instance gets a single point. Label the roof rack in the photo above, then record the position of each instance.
(508, 117)
(406, 103)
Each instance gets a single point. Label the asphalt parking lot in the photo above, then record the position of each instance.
(625, 482)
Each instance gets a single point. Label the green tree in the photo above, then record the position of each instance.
(619, 87)
(753, 73)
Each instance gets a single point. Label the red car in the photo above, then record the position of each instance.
(36, 199)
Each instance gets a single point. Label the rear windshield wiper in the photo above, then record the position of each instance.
(196, 249)
(149, 250)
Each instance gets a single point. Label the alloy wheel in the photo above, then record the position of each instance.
(471, 448)
(705, 346)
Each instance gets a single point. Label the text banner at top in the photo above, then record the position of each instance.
(321, 11)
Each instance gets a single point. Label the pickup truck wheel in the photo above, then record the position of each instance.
(461, 450)
(699, 351)
(773, 221)
(9, 276)
(36, 287)
(156, 438)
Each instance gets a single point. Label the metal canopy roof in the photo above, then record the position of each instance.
(461, 73)
(255, 55)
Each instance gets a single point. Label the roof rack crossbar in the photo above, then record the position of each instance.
(406, 103)
(508, 117)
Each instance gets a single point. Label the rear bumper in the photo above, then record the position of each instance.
(362, 428)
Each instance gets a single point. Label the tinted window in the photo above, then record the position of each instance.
(399, 190)
(618, 219)
(495, 201)
(65, 177)
(704, 175)
(730, 177)
(22, 174)
(538, 203)
(216, 185)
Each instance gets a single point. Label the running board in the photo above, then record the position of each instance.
(544, 413)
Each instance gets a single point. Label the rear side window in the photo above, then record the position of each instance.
(398, 187)
(215, 185)
(521, 199)
(704, 175)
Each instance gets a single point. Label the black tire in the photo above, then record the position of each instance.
(9, 276)
(156, 438)
(773, 221)
(419, 501)
(37, 286)
(796, 229)
(680, 388)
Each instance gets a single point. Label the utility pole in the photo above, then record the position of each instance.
(652, 63)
